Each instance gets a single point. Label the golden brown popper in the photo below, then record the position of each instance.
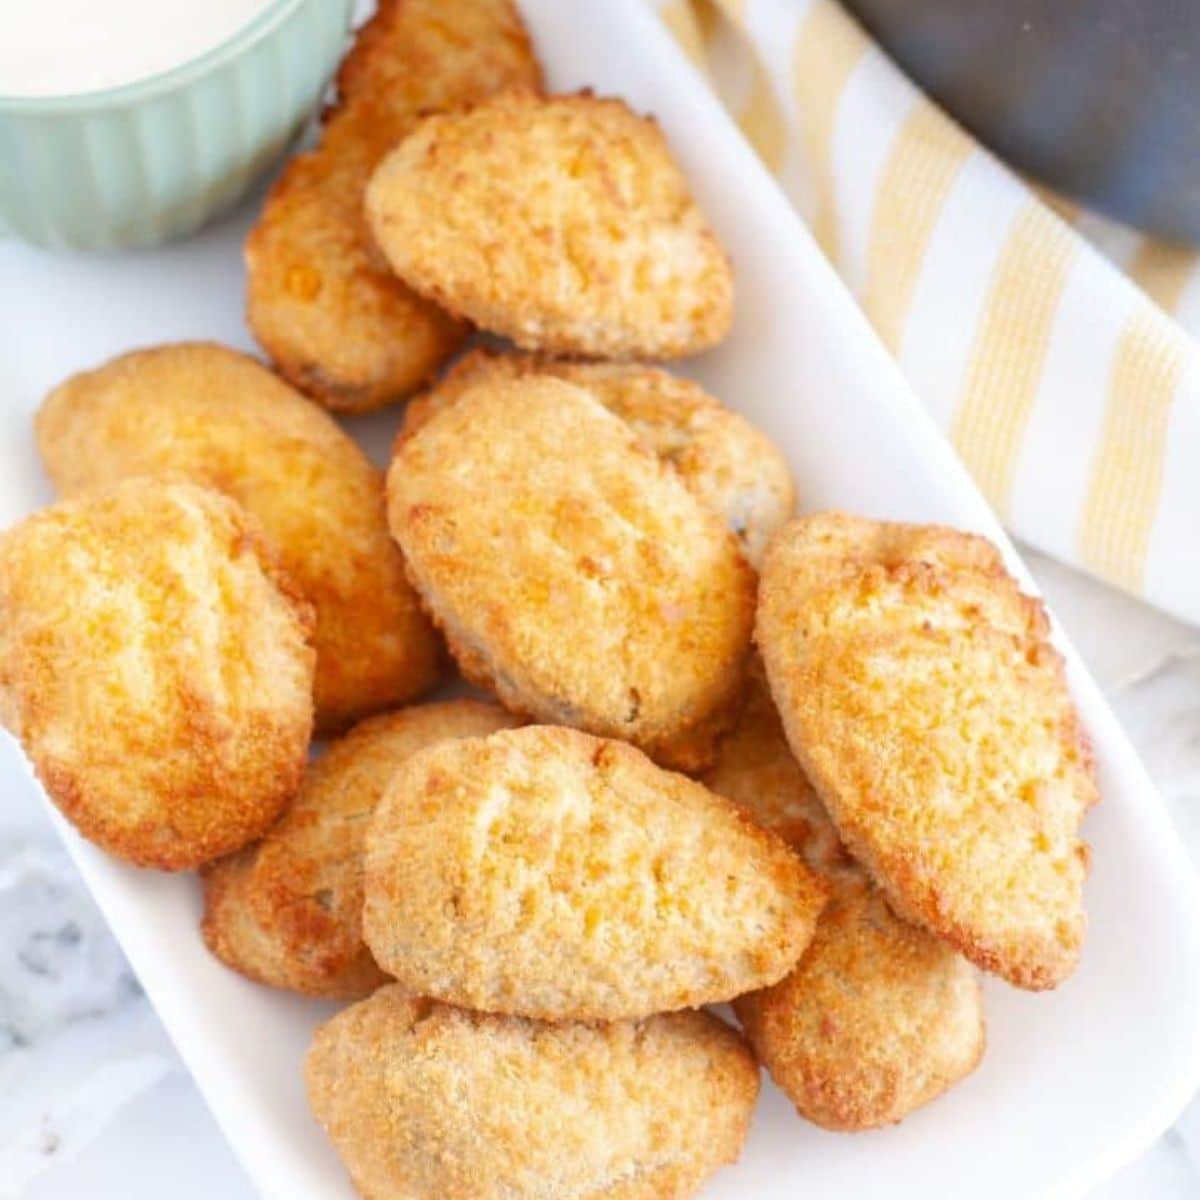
(571, 570)
(547, 873)
(921, 695)
(321, 301)
(428, 1102)
(287, 911)
(207, 413)
(562, 223)
(156, 665)
(879, 1016)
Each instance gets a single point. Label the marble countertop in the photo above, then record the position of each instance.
(95, 1103)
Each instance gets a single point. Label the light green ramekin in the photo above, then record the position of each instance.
(156, 159)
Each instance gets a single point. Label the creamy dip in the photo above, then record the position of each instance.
(62, 47)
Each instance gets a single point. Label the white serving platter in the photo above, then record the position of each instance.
(1074, 1083)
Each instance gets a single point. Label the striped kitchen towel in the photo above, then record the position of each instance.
(1056, 350)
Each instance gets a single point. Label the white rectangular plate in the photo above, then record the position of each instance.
(1074, 1083)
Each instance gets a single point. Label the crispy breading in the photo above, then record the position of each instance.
(919, 691)
(571, 571)
(757, 771)
(428, 1102)
(837, 540)
(562, 223)
(548, 873)
(156, 666)
(879, 1016)
(837, 545)
(723, 460)
(221, 419)
(322, 304)
(287, 911)
(878, 1019)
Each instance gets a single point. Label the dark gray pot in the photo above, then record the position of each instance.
(1098, 98)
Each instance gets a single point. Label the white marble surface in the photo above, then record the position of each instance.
(95, 1104)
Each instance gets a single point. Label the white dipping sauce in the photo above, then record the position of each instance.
(62, 47)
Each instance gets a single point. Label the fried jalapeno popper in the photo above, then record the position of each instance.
(879, 1016)
(156, 665)
(923, 699)
(571, 570)
(562, 223)
(547, 873)
(428, 1102)
(321, 302)
(221, 419)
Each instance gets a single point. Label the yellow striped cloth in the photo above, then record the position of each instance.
(1055, 349)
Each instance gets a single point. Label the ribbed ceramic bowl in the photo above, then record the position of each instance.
(156, 159)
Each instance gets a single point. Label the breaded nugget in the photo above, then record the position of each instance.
(547, 873)
(922, 698)
(571, 571)
(327, 310)
(723, 460)
(878, 1017)
(157, 668)
(221, 419)
(288, 910)
(428, 1102)
(562, 223)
